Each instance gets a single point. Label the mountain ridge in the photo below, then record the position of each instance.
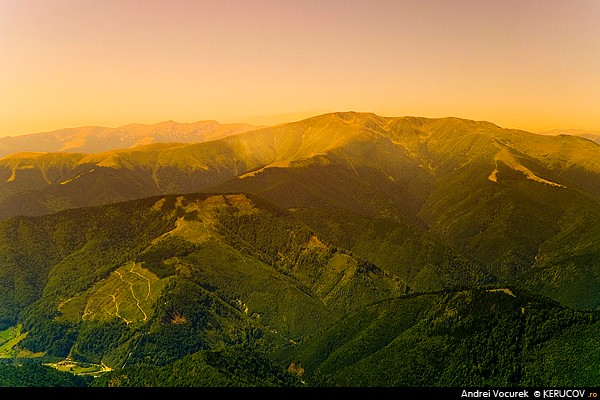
(94, 139)
(588, 134)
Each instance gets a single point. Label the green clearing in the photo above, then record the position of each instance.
(9, 339)
(79, 368)
(9, 333)
(128, 293)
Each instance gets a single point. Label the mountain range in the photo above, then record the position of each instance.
(592, 135)
(340, 250)
(95, 139)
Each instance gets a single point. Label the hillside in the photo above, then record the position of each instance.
(232, 266)
(237, 292)
(488, 337)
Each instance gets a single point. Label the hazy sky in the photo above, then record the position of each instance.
(527, 64)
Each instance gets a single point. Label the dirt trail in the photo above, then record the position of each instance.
(505, 290)
(143, 277)
(117, 310)
(134, 297)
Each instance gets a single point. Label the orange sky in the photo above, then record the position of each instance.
(533, 65)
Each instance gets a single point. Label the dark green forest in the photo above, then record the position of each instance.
(340, 320)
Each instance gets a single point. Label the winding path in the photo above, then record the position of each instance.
(143, 277)
(134, 297)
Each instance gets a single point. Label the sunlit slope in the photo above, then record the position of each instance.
(22, 172)
(32, 186)
(95, 139)
(156, 169)
(341, 160)
(452, 143)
